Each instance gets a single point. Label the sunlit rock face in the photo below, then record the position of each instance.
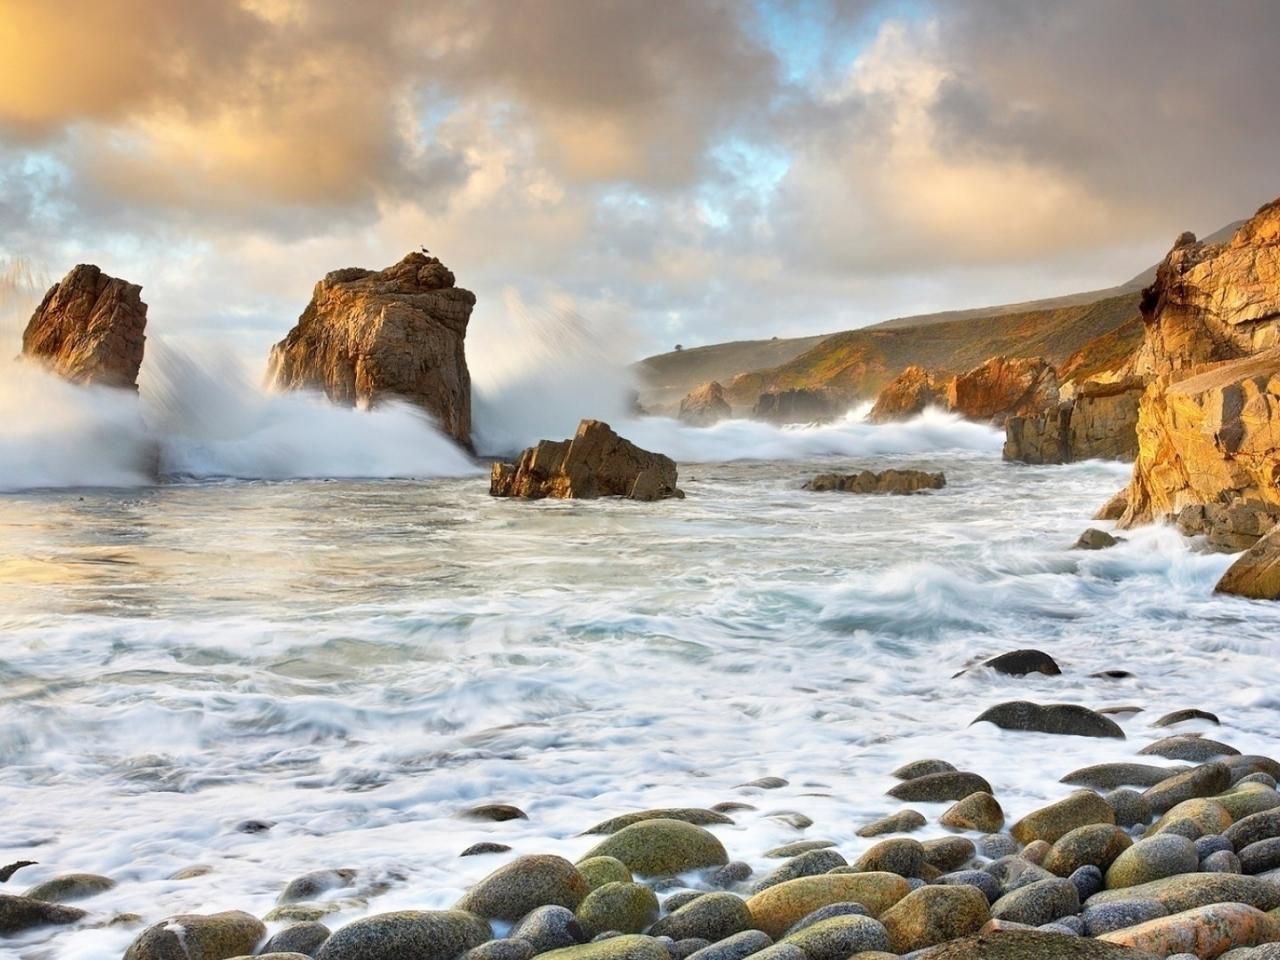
(90, 329)
(704, 406)
(1004, 387)
(908, 395)
(1099, 423)
(1208, 437)
(370, 336)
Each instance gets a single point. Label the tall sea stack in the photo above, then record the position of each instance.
(90, 329)
(369, 336)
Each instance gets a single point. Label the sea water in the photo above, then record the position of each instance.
(323, 623)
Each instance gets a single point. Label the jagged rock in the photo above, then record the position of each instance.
(1256, 574)
(1206, 439)
(1100, 423)
(908, 395)
(368, 336)
(595, 463)
(794, 406)
(89, 328)
(1004, 387)
(704, 406)
(890, 481)
(1094, 539)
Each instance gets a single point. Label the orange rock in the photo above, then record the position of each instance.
(1003, 387)
(1205, 931)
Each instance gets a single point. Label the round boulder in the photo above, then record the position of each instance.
(1153, 859)
(655, 847)
(775, 910)
(598, 871)
(940, 787)
(933, 915)
(625, 907)
(227, 934)
(624, 947)
(1097, 844)
(978, 811)
(900, 855)
(549, 928)
(712, 916)
(837, 938)
(527, 882)
(1055, 821)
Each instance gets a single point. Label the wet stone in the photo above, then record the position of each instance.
(1105, 917)
(527, 882)
(1224, 861)
(1193, 749)
(1088, 880)
(598, 871)
(973, 878)
(1056, 820)
(1108, 776)
(1202, 781)
(788, 850)
(680, 949)
(656, 847)
(1212, 843)
(1207, 815)
(698, 817)
(1182, 716)
(805, 865)
(1245, 799)
(493, 812)
(1130, 807)
(1261, 856)
(1036, 851)
(978, 811)
(1019, 663)
(70, 887)
(1038, 903)
(22, 913)
(1255, 827)
(713, 917)
(681, 899)
(485, 846)
(306, 937)
(948, 854)
(900, 855)
(933, 915)
(621, 947)
(1062, 719)
(226, 934)
(1095, 844)
(731, 806)
(826, 913)
(311, 886)
(940, 787)
(1244, 764)
(1189, 890)
(1259, 777)
(1095, 539)
(903, 822)
(767, 783)
(997, 845)
(792, 818)
(736, 947)
(504, 949)
(1013, 873)
(625, 907)
(836, 938)
(254, 826)
(1153, 859)
(922, 768)
(733, 872)
(550, 928)
(1073, 925)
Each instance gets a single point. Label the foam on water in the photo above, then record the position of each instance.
(359, 661)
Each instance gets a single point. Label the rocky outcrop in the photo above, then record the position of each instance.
(369, 336)
(890, 481)
(1257, 573)
(794, 406)
(595, 463)
(1004, 387)
(1099, 423)
(90, 329)
(910, 393)
(704, 406)
(1208, 438)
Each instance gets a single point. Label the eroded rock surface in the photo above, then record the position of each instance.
(910, 393)
(890, 481)
(369, 336)
(1100, 423)
(595, 463)
(704, 406)
(90, 329)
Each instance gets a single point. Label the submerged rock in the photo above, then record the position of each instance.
(595, 463)
(890, 481)
(69, 887)
(940, 787)
(90, 329)
(23, 913)
(370, 336)
(1059, 718)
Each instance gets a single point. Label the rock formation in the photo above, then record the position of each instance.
(1100, 423)
(794, 406)
(1004, 387)
(890, 481)
(705, 405)
(368, 336)
(1256, 574)
(908, 395)
(595, 463)
(90, 329)
(1208, 435)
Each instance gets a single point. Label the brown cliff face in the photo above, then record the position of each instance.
(369, 336)
(705, 405)
(1099, 423)
(908, 395)
(1208, 433)
(595, 463)
(90, 329)
(795, 406)
(1002, 388)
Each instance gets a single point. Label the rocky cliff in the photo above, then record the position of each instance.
(90, 328)
(704, 406)
(796, 406)
(368, 336)
(595, 463)
(1001, 387)
(908, 395)
(1208, 434)
(1098, 423)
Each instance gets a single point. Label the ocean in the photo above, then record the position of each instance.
(320, 640)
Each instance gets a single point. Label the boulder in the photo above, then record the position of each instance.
(595, 463)
(626, 947)
(1205, 442)
(1202, 781)
(304, 938)
(1004, 387)
(921, 768)
(940, 787)
(549, 928)
(598, 871)
(1255, 574)
(23, 913)
(908, 395)
(1055, 821)
(890, 481)
(839, 937)
(1019, 663)
(795, 406)
(213, 936)
(777, 909)
(1154, 858)
(978, 811)
(1108, 776)
(1191, 748)
(527, 882)
(808, 864)
(1187, 890)
(1029, 945)
(1206, 931)
(89, 329)
(1038, 903)
(695, 815)
(900, 855)
(905, 821)
(623, 906)
(704, 406)
(369, 336)
(1059, 718)
(1096, 844)
(655, 847)
(935, 914)
(946, 854)
(713, 916)
(739, 947)
(69, 887)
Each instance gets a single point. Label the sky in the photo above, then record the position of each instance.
(671, 171)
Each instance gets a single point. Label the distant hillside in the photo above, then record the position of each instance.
(856, 365)
(1084, 333)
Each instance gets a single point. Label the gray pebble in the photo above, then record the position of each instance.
(1062, 926)
(549, 927)
(806, 865)
(304, 938)
(1088, 880)
(309, 886)
(915, 883)
(825, 913)
(1212, 844)
(1131, 807)
(1118, 914)
(681, 899)
(736, 947)
(1223, 861)
(997, 845)
(735, 871)
(974, 878)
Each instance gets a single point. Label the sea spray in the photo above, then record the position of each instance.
(537, 370)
